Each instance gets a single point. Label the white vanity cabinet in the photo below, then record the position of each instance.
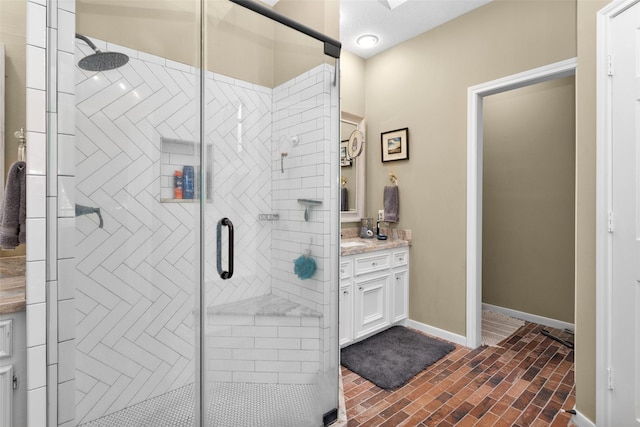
(373, 292)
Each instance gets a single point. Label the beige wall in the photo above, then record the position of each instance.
(240, 43)
(13, 34)
(586, 212)
(529, 199)
(352, 80)
(422, 84)
(165, 28)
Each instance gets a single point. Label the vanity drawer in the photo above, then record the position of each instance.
(346, 268)
(372, 263)
(400, 258)
(6, 338)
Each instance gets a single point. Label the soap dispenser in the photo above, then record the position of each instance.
(366, 228)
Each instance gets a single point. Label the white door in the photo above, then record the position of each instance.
(625, 56)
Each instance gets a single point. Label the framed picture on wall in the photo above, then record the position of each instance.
(345, 160)
(395, 145)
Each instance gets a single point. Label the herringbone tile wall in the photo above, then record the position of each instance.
(135, 278)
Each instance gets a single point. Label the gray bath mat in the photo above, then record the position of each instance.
(392, 357)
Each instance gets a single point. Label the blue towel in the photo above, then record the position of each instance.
(13, 216)
(391, 199)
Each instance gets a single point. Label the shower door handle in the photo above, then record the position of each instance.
(224, 274)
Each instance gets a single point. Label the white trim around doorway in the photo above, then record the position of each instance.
(475, 95)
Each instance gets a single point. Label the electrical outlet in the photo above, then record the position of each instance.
(381, 215)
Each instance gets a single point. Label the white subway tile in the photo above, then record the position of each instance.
(232, 342)
(255, 377)
(37, 404)
(66, 360)
(36, 24)
(36, 110)
(66, 402)
(35, 292)
(273, 366)
(36, 67)
(66, 31)
(66, 320)
(297, 378)
(52, 394)
(36, 153)
(277, 343)
(231, 365)
(219, 376)
(255, 331)
(37, 321)
(66, 242)
(251, 354)
(301, 355)
(37, 367)
(66, 196)
(66, 114)
(66, 155)
(277, 321)
(229, 320)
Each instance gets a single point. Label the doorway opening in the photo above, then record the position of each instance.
(475, 135)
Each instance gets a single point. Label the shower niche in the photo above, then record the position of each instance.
(175, 155)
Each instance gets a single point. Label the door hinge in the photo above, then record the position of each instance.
(610, 222)
(610, 378)
(609, 66)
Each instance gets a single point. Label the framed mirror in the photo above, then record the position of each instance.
(352, 170)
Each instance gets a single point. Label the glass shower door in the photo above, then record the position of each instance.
(131, 359)
(270, 120)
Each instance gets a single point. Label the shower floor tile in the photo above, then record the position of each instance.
(230, 405)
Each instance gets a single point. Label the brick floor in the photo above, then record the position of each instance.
(526, 381)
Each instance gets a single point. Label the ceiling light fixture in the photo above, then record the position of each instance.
(367, 40)
(391, 4)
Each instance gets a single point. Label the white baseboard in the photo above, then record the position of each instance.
(437, 332)
(582, 421)
(552, 323)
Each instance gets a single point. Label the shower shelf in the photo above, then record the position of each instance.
(165, 200)
(308, 203)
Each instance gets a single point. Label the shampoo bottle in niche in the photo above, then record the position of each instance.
(178, 184)
(187, 175)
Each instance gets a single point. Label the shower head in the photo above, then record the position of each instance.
(101, 61)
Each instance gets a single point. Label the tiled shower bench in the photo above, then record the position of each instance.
(266, 339)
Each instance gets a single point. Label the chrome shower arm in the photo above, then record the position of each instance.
(87, 41)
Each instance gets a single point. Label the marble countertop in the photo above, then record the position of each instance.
(351, 244)
(12, 284)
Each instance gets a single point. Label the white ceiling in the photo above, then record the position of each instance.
(393, 26)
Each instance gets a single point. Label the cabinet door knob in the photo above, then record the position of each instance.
(345, 292)
(374, 264)
(361, 288)
(401, 259)
(342, 271)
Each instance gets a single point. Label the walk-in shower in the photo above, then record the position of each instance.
(188, 307)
